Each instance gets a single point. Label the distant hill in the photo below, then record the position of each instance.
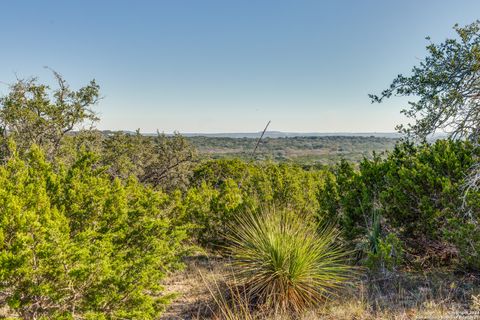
(280, 134)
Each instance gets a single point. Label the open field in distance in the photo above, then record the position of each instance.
(304, 150)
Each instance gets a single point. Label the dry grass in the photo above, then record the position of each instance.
(440, 295)
(193, 297)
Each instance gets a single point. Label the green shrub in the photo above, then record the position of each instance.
(210, 210)
(387, 254)
(76, 244)
(465, 235)
(223, 188)
(418, 192)
(283, 263)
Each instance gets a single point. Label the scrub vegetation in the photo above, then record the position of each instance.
(97, 225)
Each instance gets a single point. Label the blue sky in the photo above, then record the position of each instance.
(229, 66)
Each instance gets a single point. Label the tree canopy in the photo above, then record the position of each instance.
(447, 85)
(33, 113)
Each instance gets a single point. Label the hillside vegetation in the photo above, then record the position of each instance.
(304, 150)
(127, 226)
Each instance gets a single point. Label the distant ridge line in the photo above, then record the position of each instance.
(279, 134)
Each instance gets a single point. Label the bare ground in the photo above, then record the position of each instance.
(440, 295)
(194, 298)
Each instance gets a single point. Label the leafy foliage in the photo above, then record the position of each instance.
(32, 113)
(447, 84)
(417, 192)
(74, 243)
(223, 189)
(164, 162)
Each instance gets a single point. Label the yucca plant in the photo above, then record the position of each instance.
(284, 263)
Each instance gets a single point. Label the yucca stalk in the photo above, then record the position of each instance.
(283, 262)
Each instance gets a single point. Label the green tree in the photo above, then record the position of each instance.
(446, 88)
(33, 113)
(162, 161)
(446, 84)
(172, 162)
(126, 154)
(75, 244)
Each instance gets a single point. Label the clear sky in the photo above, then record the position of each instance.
(229, 66)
